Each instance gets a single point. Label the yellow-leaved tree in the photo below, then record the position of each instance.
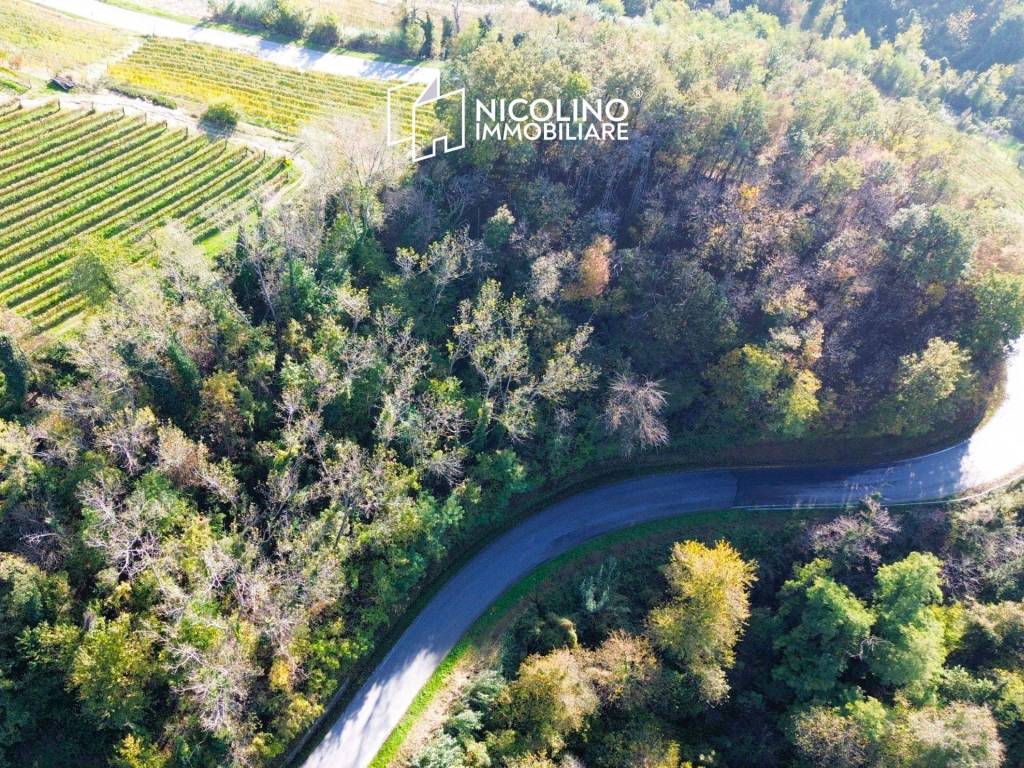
(699, 626)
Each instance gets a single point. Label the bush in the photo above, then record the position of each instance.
(411, 39)
(221, 116)
(635, 7)
(289, 21)
(275, 16)
(324, 32)
(373, 40)
(254, 15)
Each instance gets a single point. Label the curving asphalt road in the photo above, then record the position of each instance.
(992, 456)
(288, 55)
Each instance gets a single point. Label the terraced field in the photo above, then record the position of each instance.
(267, 94)
(65, 173)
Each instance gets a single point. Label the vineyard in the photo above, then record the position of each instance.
(267, 94)
(66, 173)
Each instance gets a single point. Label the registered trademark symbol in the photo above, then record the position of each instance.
(638, 93)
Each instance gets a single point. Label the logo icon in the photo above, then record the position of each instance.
(411, 120)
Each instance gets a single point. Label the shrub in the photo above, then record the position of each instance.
(411, 39)
(324, 32)
(289, 21)
(254, 15)
(221, 116)
(263, 15)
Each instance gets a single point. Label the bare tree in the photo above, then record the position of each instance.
(351, 165)
(123, 529)
(128, 436)
(445, 261)
(634, 412)
(854, 542)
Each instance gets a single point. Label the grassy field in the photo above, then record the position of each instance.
(277, 97)
(65, 173)
(987, 166)
(41, 42)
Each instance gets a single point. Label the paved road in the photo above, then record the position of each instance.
(993, 455)
(295, 56)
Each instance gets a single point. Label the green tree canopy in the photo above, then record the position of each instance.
(926, 387)
(111, 669)
(822, 626)
(910, 647)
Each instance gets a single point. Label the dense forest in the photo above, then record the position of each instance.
(872, 639)
(969, 55)
(221, 493)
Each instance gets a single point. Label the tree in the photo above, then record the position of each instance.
(350, 167)
(124, 528)
(744, 379)
(594, 271)
(825, 738)
(492, 335)
(621, 669)
(226, 411)
(445, 261)
(222, 116)
(442, 751)
(29, 596)
(822, 625)
(15, 375)
(934, 244)
(324, 31)
(910, 647)
(550, 699)
(128, 437)
(111, 670)
(633, 412)
(96, 264)
(136, 752)
(994, 634)
(852, 543)
(929, 388)
(690, 316)
(710, 602)
(999, 313)
(798, 404)
(498, 229)
(960, 734)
